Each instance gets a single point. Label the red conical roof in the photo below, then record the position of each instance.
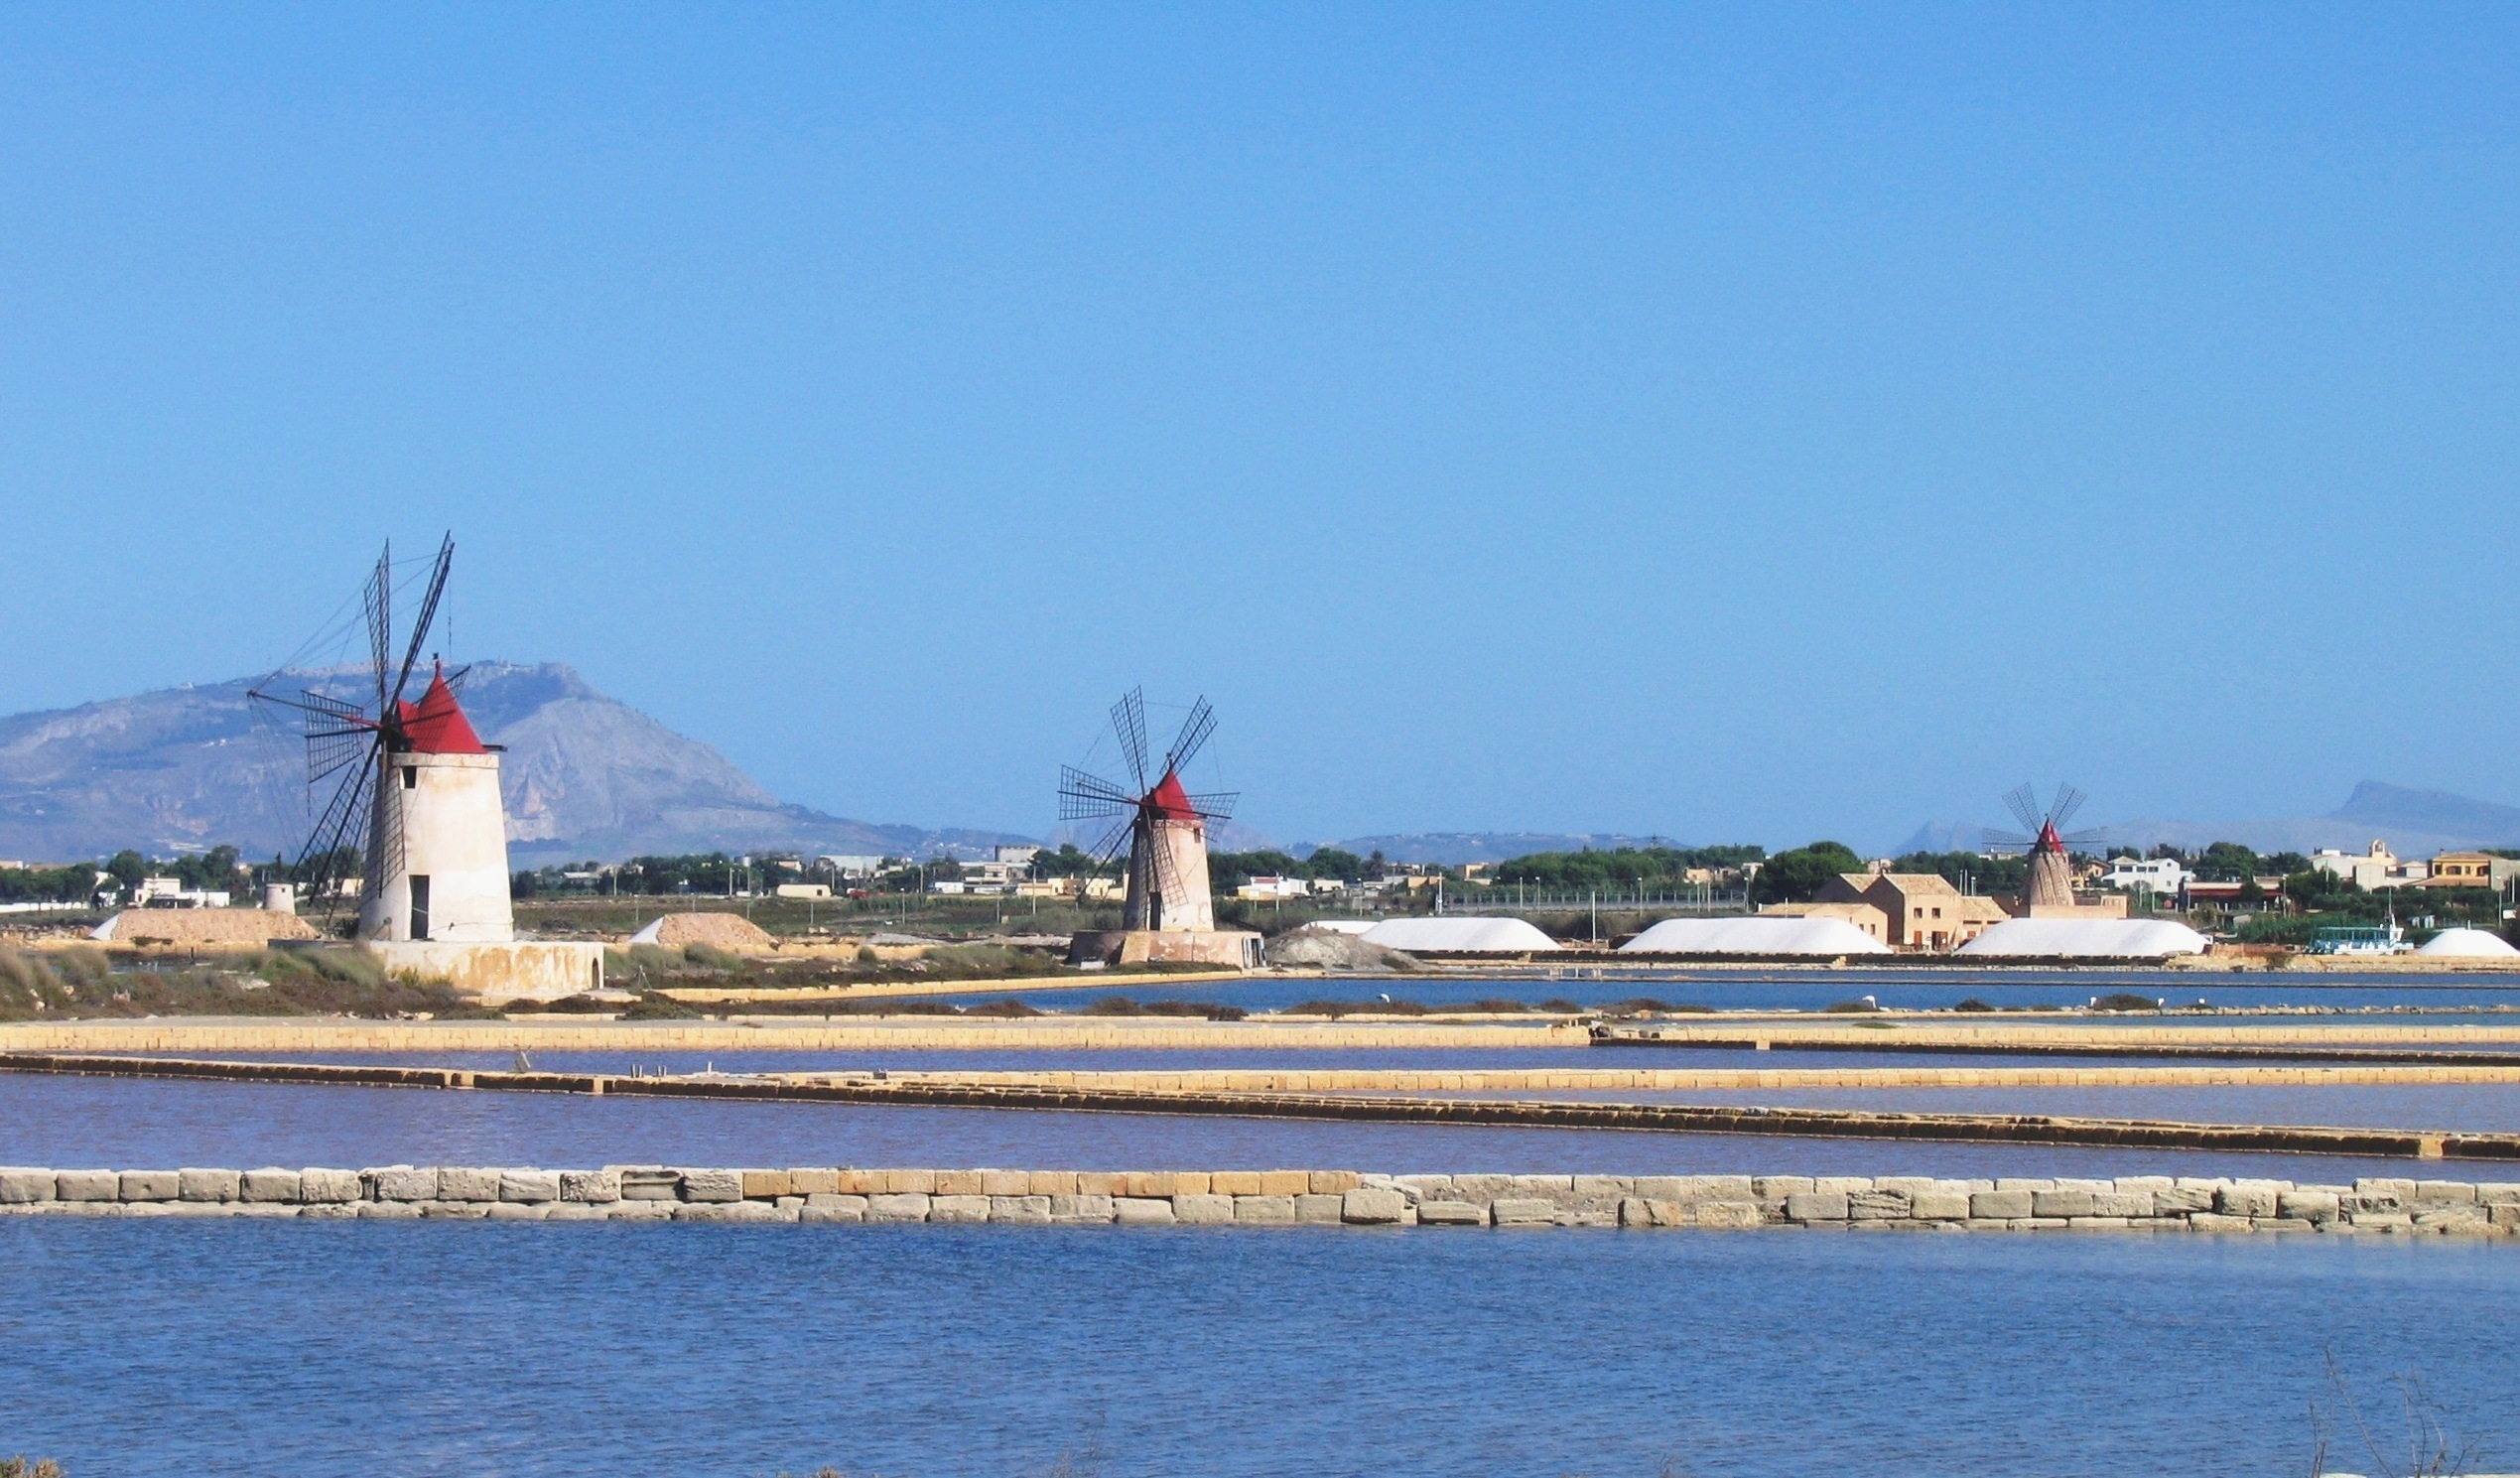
(436, 723)
(1169, 801)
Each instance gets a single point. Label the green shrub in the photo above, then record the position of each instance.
(658, 1009)
(711, 957)
(1560, 1006)
(1208, 1009)
(1006, 1008)
(1850, 1007)
(1113, 1006)
(2124, 1000)
(1498, 1008)
(1973, 1004)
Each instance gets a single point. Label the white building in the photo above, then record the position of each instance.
(847, 868)
(169, 892)
(2376, 867)
(2162, 877)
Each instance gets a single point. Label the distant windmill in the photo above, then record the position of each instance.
(2050, 880)
(1163, 825)
(434, 855)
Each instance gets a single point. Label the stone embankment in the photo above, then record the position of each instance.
(1276, 1198)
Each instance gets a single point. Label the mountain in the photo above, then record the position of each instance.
(1452, 849)
(584, 776)
(2415, 823)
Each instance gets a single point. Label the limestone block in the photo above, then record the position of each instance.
(2004, 1204)
(809, 1182)
(208, 1185)
(388, 1210)
(2217, 1221)
(1906, 1184)
(2068, 1182)
(2097, 1223)
(1604, 1187)
(2307, 1205)
(835, 1202)
(1451, 1214)
(959, 1183)
(2122, 1203)
(1100, 1183)
(2037, 1223)
(2442, 1217)
(1285, 1183)
(1368, 1206)
(87, 1185)
(519, 1210)
(1554, 1188)
(1142, 1211)
(1940, 1205)
(2015, 1182)
(767, 1185)
(1521, 1211)
(1025, 1211)
(650, 1182)
(2504, 1214)
(467, 1183)
(1639, 1211)
(789, 1203)
(1006, 1183)
(905, 1182)
(2375, 1188)
(2446, 1190)
(318, 1211)
(1989, 1223)
(1591, 1214)
(1050, 1183)
(594, 1188)
(527, 1187)
(1777, 1187)
(1205, 1208)
(2382, 1221)
(2465, 1226)
(1737, 1215)
(327, 1188)
(713, 1185)
(557, 1211)
(1814, 1205)
(24, 1186)
(1840, 1185)
(1422, 1188)
(1235, 1184)
(1878, 1205)
(2181, 1200)
(705, 1211)
(1481, 1188)
(943, 1208)
(834, 1213)
(2144, 1184)
(270, 1184)
(891, 1206)
(2242, 1198)
(1318, 1210)
(2285, 1224)
(1279, 1211)
(1081, 1208)
(1333, 1182)
(1148, 1185)
(2498, 1192)
(155, 1185)
(857, 1182)
(2066, 1203)
(456, 1210)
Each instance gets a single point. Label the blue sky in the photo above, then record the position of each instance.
(1746, 423)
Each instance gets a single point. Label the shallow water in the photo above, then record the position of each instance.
(2476, 1106)
(125, 1124)
(473, 1348)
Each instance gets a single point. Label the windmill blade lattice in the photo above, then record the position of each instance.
(1084, 797)
(1129, 719)
(1216, 805)
(1192, 738)
(2068, 800)
(2022, 802)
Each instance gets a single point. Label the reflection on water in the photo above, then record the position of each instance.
(992, 1352)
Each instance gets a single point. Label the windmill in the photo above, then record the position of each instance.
(1163, 825)
(410, 781)
(2050, 880)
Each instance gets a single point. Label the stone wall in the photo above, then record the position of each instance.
(1277, 1198)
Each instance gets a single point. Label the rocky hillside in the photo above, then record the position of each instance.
(585, 775)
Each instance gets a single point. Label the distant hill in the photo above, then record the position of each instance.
(584, 776)
(2414, 823)
(1452, 849)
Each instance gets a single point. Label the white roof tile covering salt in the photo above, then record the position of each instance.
(1464, 936)
(2466, 944)
(2087, 939)
(1821, 935)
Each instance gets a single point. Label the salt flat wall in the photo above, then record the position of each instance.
(1286, 1198)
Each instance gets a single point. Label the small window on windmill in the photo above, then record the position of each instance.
(411, 777)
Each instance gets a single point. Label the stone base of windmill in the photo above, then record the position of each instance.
(1234, 949)
(516, 969)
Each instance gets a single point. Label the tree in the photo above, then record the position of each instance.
(1795, 876)
(2226, 861)
(128, 867)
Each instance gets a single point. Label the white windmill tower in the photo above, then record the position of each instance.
(1169, 913)
(2050, 884)
(418, 792)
